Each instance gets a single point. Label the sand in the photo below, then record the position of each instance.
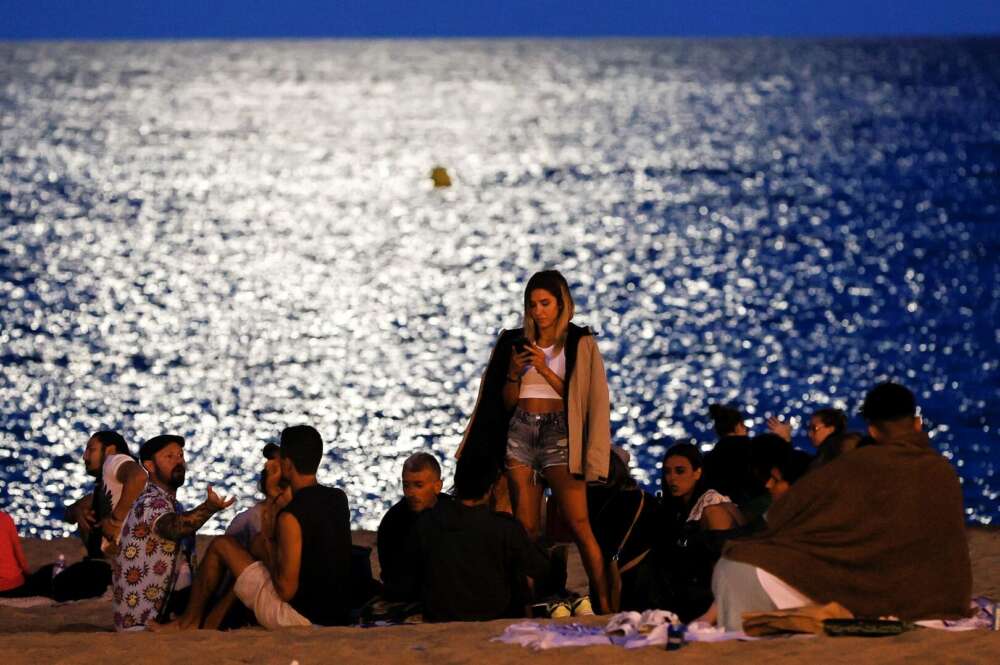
(81, 632)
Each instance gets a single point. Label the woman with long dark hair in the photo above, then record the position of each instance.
(543, 411)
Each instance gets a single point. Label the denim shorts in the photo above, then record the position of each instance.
(537, 440)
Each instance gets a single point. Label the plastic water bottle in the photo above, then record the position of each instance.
(59, 565)
(675, 636)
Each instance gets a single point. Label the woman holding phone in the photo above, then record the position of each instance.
(543, 411)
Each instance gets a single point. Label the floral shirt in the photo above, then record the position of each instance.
(146, 566)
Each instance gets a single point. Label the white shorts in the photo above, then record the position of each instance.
(255, 589)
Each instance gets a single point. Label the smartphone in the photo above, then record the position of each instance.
(520, 344)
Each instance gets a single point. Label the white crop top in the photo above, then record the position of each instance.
(534, 385)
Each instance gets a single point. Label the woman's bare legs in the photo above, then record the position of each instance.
(501, 502)
(526, 497)
(571, 494)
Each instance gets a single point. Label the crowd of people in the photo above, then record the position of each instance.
(873, 520)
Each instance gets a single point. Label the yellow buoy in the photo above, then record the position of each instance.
(440, 177)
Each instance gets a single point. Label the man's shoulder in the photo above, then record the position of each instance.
(396, 512)
(154, 499)
(335, 493)
(326, 491)
(321, 498)
(113, 463)
(503, 521)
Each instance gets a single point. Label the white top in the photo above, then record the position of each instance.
(109, 474)
(534, 385)
(709, 498)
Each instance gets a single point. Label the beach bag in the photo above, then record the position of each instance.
(614, 566)
(89, 578)
(808, 619)
(363, 586)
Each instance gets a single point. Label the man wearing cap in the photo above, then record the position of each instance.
(153, 566)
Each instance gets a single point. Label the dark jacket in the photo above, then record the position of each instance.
(470, 563)
(395, 532)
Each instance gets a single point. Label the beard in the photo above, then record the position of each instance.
(176, 476)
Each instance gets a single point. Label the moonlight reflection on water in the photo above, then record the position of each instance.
(219, 239)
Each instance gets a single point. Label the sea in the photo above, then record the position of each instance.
(221, 238)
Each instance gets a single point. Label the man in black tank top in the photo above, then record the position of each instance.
(298, 570)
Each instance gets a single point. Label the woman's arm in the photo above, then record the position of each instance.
(512, 384)
(721, 517)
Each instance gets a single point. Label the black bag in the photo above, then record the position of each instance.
(89, 578)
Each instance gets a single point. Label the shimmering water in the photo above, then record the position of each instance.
(221, 238)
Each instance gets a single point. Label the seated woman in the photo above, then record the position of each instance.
(14, 574)
(677, 574)
(785, 471)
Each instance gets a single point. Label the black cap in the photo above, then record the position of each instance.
(158, 443)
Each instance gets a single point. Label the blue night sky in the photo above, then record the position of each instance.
(95, 19)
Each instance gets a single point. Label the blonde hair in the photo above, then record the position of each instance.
(553, 282)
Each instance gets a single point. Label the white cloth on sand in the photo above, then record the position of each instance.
(540, 637)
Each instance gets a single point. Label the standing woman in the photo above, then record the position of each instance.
(543, 410)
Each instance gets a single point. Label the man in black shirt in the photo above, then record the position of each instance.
(421, 489)
(470, 563)
(298, 570)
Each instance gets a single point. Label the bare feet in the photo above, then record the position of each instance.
(710, 617)
(169, 627)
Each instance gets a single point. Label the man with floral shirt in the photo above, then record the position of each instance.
(154, 564)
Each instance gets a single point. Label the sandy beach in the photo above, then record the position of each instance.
(81, 632)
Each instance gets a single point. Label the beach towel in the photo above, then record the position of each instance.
(631, 630)
(541, 637)
(983, 617)
(27, 601)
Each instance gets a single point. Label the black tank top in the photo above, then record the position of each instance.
(324, 578)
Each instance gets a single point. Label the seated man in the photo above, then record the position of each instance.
(152, 568)
(881, 532)
(99, 516)
(470, 563)
(119, 482)
(304, 563)
(421, 490)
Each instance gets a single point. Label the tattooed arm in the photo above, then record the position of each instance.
(175, 526)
